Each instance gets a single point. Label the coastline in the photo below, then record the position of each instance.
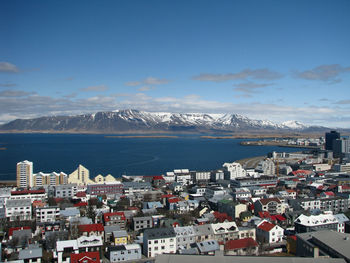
(273, 143)
(142, 136)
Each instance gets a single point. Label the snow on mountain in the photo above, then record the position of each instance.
(295, 125)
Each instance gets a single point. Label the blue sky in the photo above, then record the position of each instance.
(276, 60)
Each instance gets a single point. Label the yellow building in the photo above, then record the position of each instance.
(81, 176)
(100, 179)
(121, 237)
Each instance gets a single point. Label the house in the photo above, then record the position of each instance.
(120, 237)
(109, 232)
(85, 257)
(158, 181)
(131, 188)
(231, 208)
(31, 255)
(203, 232)
(158, 241)
(143, 222)
(18, 209)
(185, 236)
(186, 206)
(241, 193)
(176, 187)
(81, 244)
(124, 253)
(115, 218)
(47, 214)
(225, 231)
(320, 222)
(269, 233)
(271, 205)
(91, 230)
(241, 247)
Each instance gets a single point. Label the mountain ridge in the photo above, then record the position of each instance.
(141, 121)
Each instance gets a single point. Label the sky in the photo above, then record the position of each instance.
(270, 60)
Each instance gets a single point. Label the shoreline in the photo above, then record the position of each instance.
(278, 144)
(143, 136)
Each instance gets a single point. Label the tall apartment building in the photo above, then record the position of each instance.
(25, 174)
(233, 171)
(330, 137)
(81, 176)
(41, 179)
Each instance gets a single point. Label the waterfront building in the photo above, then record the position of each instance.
(81, 176)
(100, 179)
(25, 174)
(262, 181)
(266, 167)
(43, 179)
(234, 170)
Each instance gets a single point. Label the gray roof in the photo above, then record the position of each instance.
(172, 258)
(207, 246)
(71, 211)
(110, 229)
(30, 253)
(203, 230)
(156, 233)
(340, 242)
(18, 203)
(120, 233)
(136, 184)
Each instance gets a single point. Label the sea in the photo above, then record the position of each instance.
(121, 156)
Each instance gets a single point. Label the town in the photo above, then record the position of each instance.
(290, 207)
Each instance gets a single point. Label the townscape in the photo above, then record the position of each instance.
(290, 207)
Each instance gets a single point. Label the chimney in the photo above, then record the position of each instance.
(316, 252)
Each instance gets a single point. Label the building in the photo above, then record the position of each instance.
(114, 218)
(131, 188)
(111, 188)
(120, 237)
(266, 167)
(25, 174)
(320, 222)
(18, 209)
(41, 179)
(185, 236)
(342, 168)
(200, 176)
(158, 241)
(269, 233)
(330, 137)
(325, 244)
(85, 257)
(341, 147)
(334, 204)
(91, 230)
(65, 191)
(262, 181)
(31, 255)
(241, 247)
(124, 253)
(234, 170)
(231, 208)
(142, 222)
(32, 195)
(271, 205)
(81, 176)
(100, 179)
(47, 214)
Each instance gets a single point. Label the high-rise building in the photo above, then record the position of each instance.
(25, 174)
(341, 147)
(330, 137)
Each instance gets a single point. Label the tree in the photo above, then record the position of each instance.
(91, 213)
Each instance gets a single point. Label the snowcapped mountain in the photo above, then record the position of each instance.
(296, 125)
(141, 121)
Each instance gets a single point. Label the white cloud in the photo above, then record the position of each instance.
(95, 88)
(8, 67)
(147, 81)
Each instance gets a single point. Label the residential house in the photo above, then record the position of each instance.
(143, 222)
(158, 241)
(231, 208)
(241, 247)
(207, 247)
(185, 236)
(47, 214)
(85, 257)
(269, 233)
(91, 230)
(18, 209)
(271, 205)
(124, 253)
(33, 254)
(115, 218)
(120, 237)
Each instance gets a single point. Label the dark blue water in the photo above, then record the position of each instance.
(117, 156)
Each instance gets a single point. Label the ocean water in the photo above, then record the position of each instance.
(118, 156)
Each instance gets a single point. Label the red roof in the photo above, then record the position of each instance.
(264, 214)
(106, 216)
(298, 172)
(167, 196)
(81, 194)
(17, 228)
(91, 228)
(88, 257)
(266, 226)
(240, 243)
(173, 200)
(265, 201)
(25, 192)
(280, 217)
(221, 217)
(158, 177)
(329, 193)
(293, 237)
(81, 204)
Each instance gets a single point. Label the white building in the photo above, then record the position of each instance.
(18, 209)
(53, 178)
(269, 233)
(320, 222)
(47, 214)
(234, 170)
(25, 174)
(185, 236)
(83, 244)
(200, 176)
(267, 167)
(157, 241)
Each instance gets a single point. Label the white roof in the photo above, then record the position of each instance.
(321, 219)
(224, 227)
